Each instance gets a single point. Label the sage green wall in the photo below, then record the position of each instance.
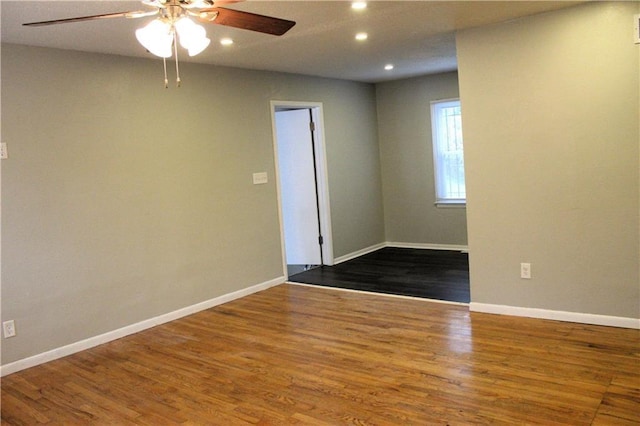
(406, 153)
(122, 201)
(551, 110)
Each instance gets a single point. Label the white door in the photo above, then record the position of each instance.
(298, 187)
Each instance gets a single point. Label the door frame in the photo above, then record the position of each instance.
(324, 212)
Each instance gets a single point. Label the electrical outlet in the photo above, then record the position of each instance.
(9, 328)
(4, 154)
(260, 178)
(525, 271)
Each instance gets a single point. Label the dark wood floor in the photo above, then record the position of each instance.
(431, 274)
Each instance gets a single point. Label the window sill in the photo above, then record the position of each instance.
(451, 204)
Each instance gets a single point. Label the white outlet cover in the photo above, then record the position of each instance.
(9, 328)
(260, 178)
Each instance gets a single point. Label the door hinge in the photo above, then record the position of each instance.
(312, 126)
(320, 240)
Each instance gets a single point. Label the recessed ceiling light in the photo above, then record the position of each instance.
(388, 67)
(359, 5)
(361, 36)
(226, 41)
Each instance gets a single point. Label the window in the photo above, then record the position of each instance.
(448, 152)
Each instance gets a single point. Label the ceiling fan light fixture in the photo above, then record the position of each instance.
(191, 36)
(156, 37)
(161, 36)
(197, 46)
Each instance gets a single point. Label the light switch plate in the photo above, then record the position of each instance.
(636, 29)
(525, 271)
(260, 178)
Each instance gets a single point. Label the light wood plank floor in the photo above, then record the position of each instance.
(317, 356)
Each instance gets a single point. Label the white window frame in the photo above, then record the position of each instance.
(444, 198)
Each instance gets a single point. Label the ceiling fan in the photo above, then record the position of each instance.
(173, 25)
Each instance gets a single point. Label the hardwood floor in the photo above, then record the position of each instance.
(315, 356)
(430, 274)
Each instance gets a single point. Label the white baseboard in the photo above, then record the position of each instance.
(375, 247)
(452, 247)
(358, 253)
(593, 319)
(133, 328)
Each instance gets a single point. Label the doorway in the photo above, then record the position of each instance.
(302, 186)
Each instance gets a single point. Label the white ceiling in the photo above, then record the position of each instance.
(416, 36)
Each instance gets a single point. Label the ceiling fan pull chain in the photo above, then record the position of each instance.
(175, 51)
(166, 80)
